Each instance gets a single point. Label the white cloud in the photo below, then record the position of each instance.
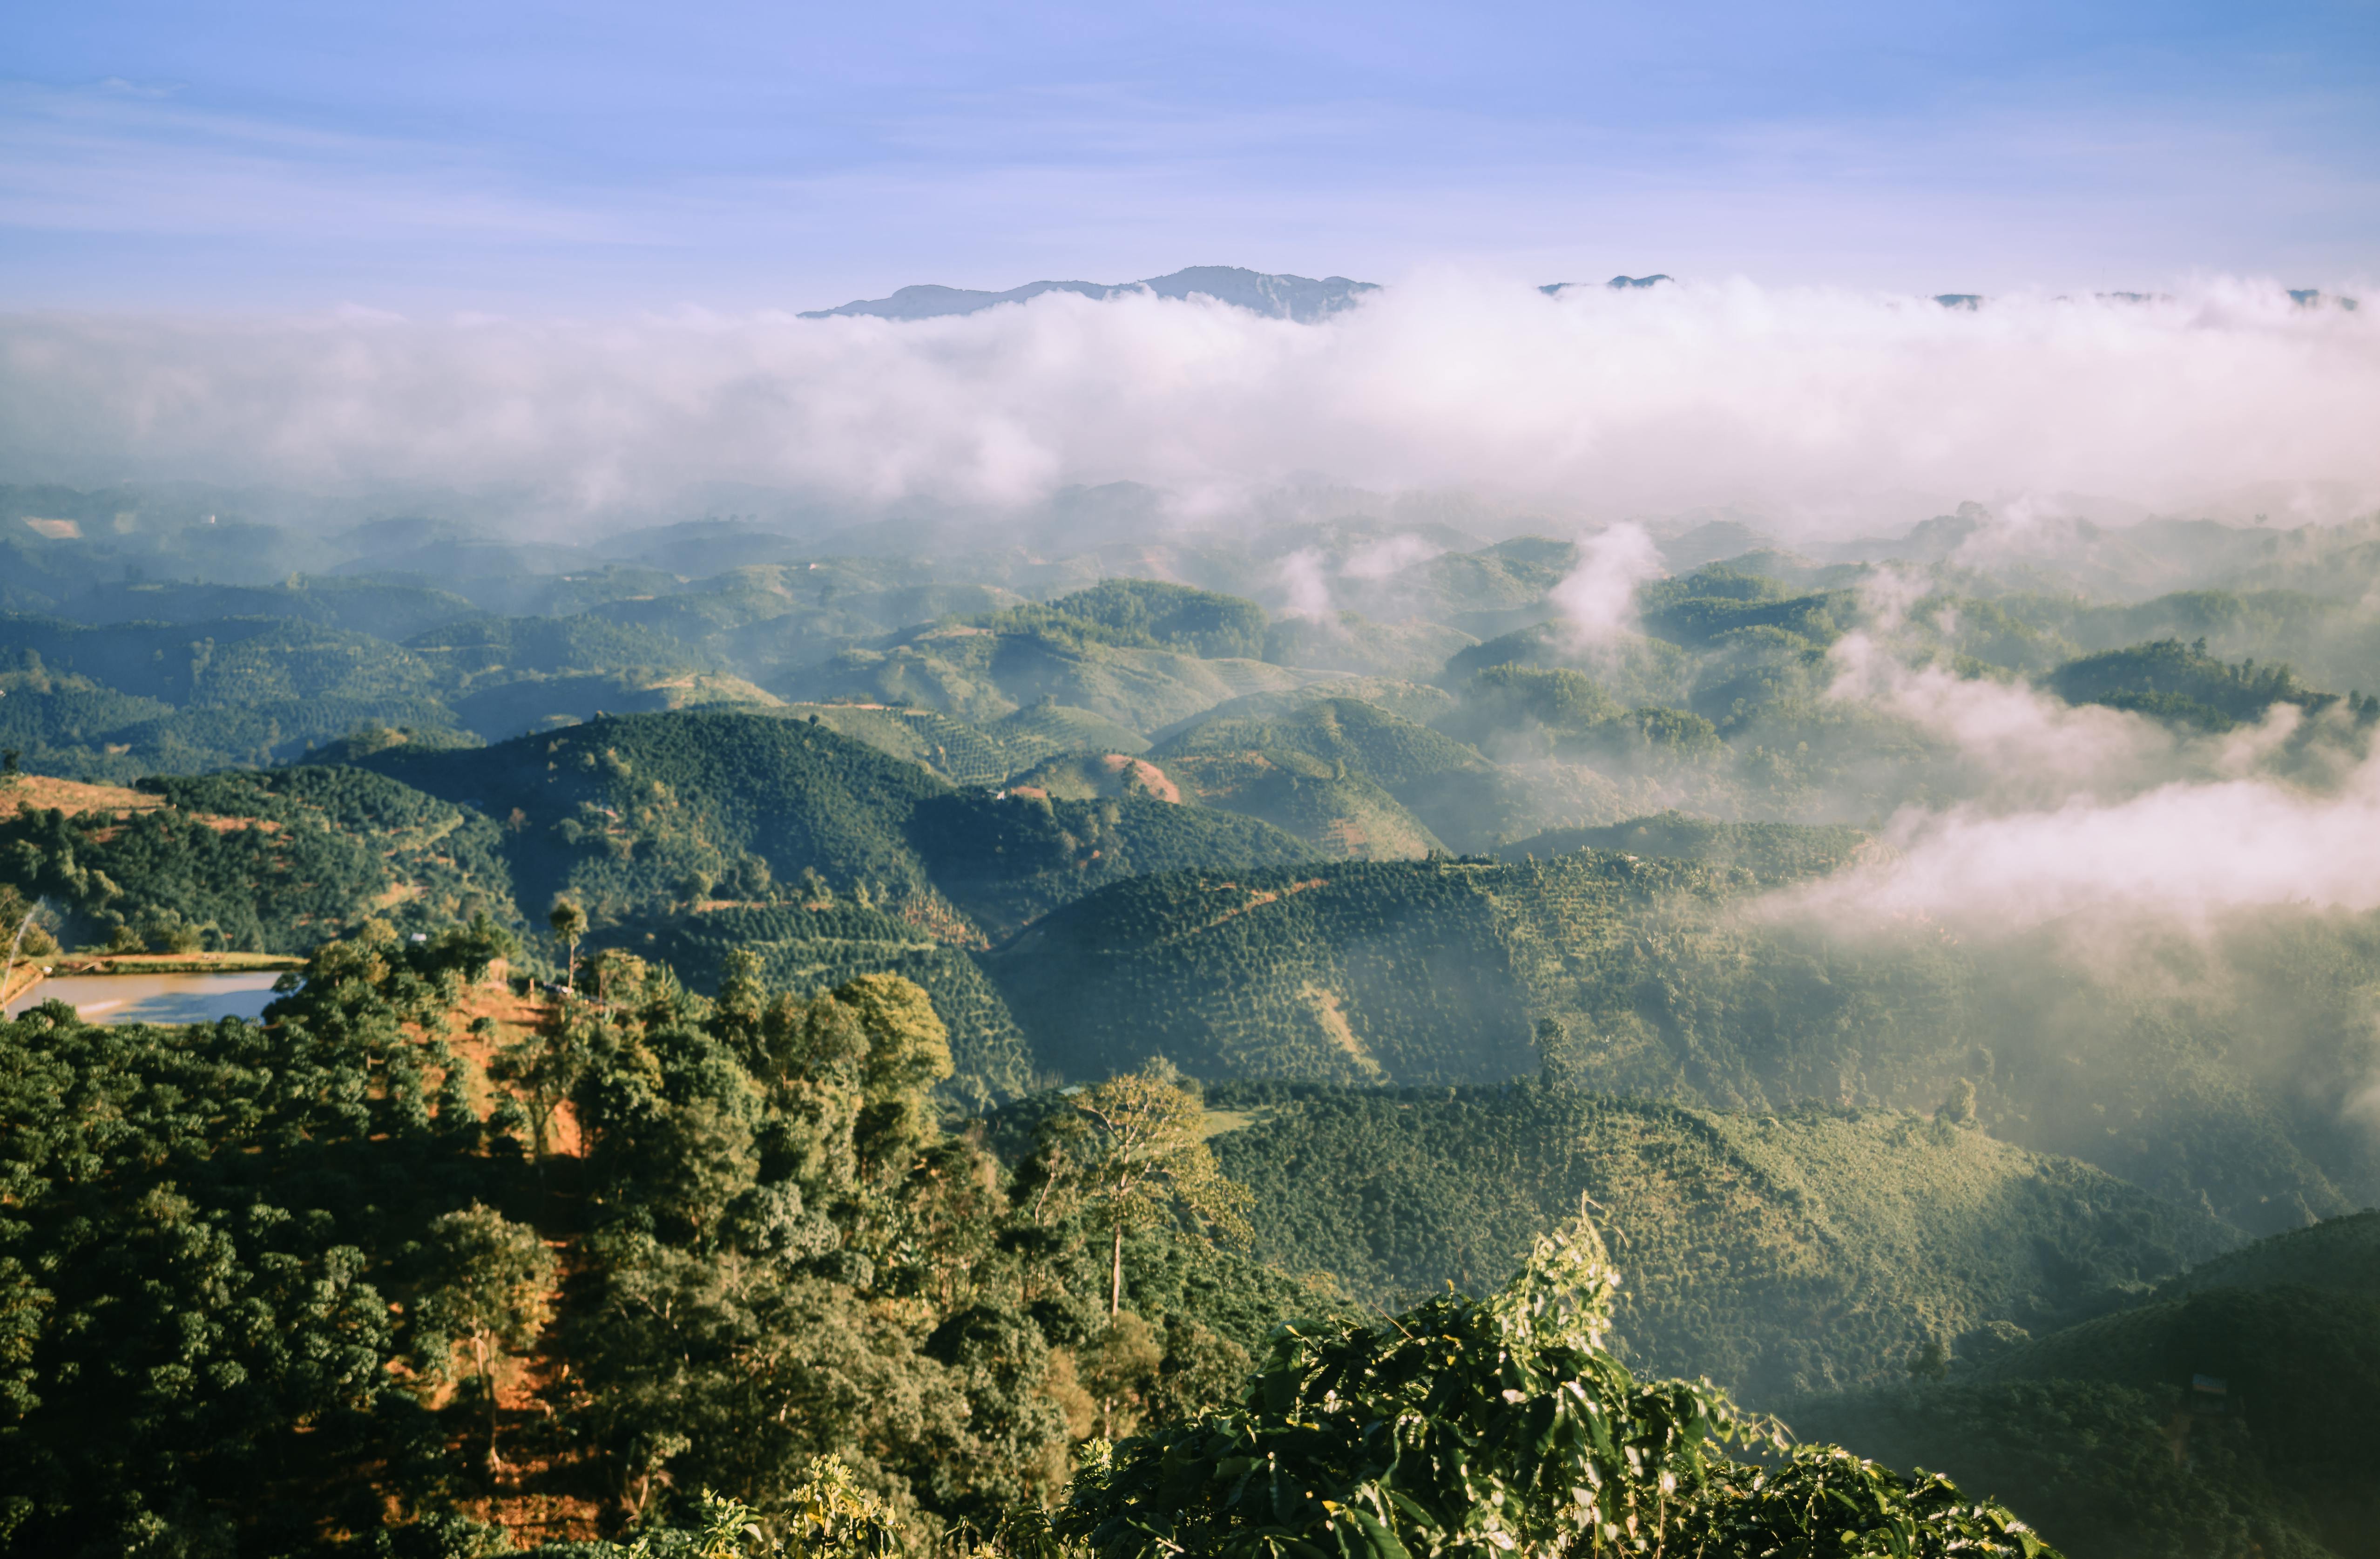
(2182, 852)
(2015, 744)
(1598, 597)
(1810, 402)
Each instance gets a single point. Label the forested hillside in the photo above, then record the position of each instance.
(1777, 1254)
(824, 1018)
(639, 815)
(2232, 1413)
(275, 862)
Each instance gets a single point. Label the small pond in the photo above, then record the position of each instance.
(154, 998)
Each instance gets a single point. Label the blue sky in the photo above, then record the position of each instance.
(595, 157)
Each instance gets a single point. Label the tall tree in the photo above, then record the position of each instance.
(568, 921)
(486, 1285)
(1139, 1144)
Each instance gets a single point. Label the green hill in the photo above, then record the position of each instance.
(1085, 776)
(1772, 852)
(2236, 1415)
(1420, 703)
(1351, 972)
(1009, 861)
(1347, 776)
(637, 815)
(2182, 683)
(384, 609)
(1631, 669)
(632, 812)
(803, 949)
(1777, 1254)
(1145, 613)
(241, 690)
(1057, 727)
(270, 862)
(2339, 1253)
(958, 750)
(1699, 609)
(981, 674)
(2160, 1066)
(1351, 643)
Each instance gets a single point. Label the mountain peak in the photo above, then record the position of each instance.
(1277, 296)
(1617, 284)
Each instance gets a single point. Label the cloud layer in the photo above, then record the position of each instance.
(1826, 408)
(2183, 852)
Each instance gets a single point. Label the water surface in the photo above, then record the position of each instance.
(154, 998)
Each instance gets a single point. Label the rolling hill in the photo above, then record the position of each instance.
(638, 815)
(2235, 1413)
(1777, 1254)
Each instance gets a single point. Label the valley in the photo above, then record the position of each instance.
(756, 931)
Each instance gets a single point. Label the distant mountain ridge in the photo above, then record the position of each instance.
(1302, 298)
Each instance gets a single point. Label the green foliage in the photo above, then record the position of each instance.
(263, 862)
(2154, 1056)
(482, 1285)
(1633, 669)
(2182, 683)
(833, 1518)
(799, 949)
(1397, 753)
(119, 702)
(788, 1259)
(1704, 609)
(470, 651)
(1772, 852)
(1355, 971)
(1776, 1254)
(1348, 775)
(624, 813)
(796, 1260)
(1145, 614)
(1131, 1149)
(1479, 1426)
(1510, 696)
(643, 814)
(1010, 861)
(967, 754)
(982, 675)
(191, 1262)
(2341, 1253)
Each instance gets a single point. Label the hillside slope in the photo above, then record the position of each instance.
(1348, 775)
(2238, 1414)
(271, 862)
(1353, 972)
(1775, 1253)
(981, 675)
(2192, 1067)
(803, 950)
(641, 815)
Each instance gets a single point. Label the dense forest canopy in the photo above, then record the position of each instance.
(942, 1050)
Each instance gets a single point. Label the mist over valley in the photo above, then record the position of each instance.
(1658, 841)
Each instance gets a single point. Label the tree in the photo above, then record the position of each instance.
(25, 935)
(908, 1053)
(486, 1285)
(1482, 1428)
(833, 1518)
(546, 1067)
(568, 921)
(1141, 1156)
(1557, 1058)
